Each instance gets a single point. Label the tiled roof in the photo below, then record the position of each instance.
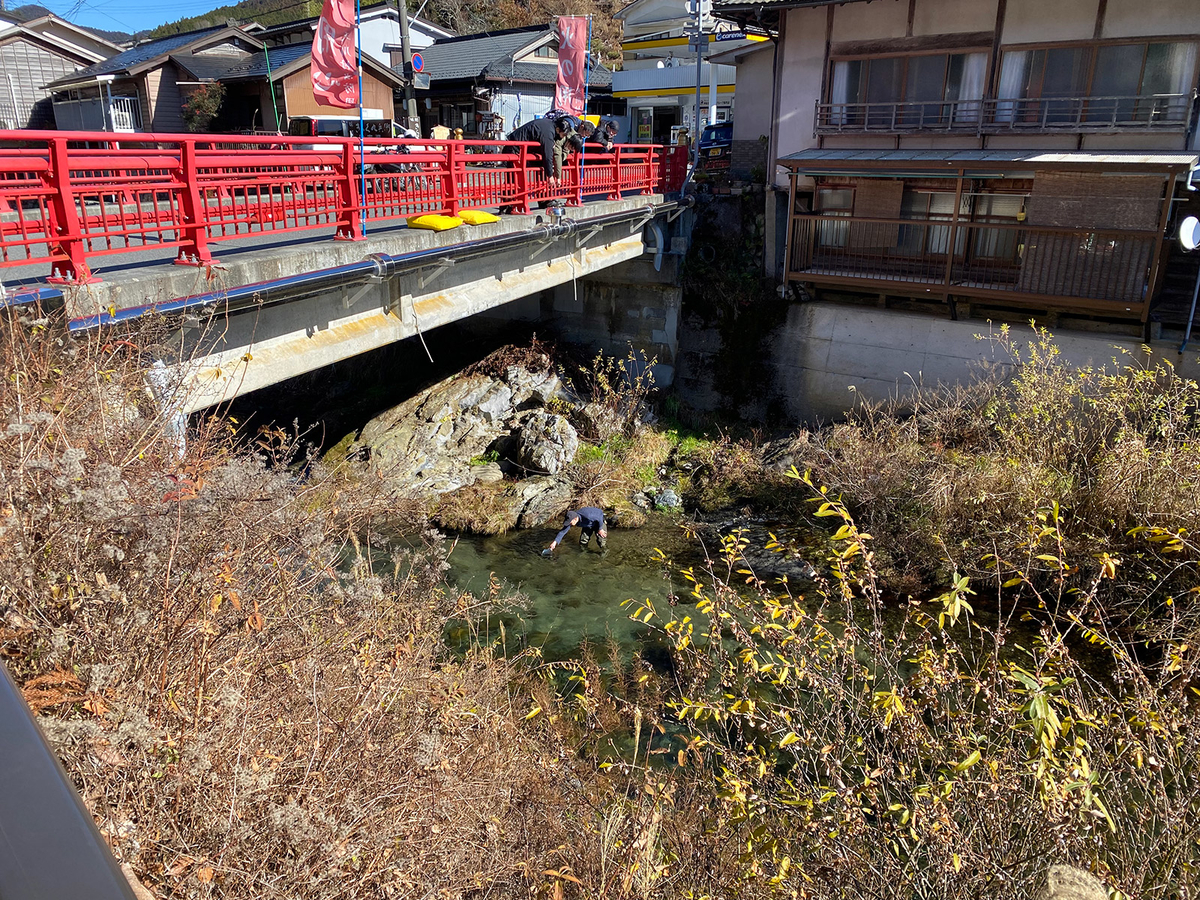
(204, 68)
(470, 55)
(255, 66)
(135, 56)
(540, 73)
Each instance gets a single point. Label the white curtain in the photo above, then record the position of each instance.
(970, 90)
(1183, 67)
(1012, 84)
(841, 88)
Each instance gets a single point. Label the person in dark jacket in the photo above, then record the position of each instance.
(590, 520)
(556, 139)
(604, 134)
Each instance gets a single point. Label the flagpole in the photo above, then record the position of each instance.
(362, 159)
(587, 80)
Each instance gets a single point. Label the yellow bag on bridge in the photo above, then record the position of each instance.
(477, 216)
(433, 222)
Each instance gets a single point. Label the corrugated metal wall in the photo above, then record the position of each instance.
(24, 68)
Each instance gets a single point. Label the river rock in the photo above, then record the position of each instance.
(488, 474)
(539, 498)
(1070, 883)
(531, 388)
(669, 499)
(600, 422)
(545, 443)
(425, 445)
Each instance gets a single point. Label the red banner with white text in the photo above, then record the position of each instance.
(570, 90)
(334, 66)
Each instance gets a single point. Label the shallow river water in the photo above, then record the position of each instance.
(576, 595)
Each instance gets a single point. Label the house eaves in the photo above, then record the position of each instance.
(150, 55)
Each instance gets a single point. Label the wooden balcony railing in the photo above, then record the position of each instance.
(991, 116)
(1107, 271)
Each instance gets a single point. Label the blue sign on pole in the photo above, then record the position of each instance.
(417, 62)
(730, 35)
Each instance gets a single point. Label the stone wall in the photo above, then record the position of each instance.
(748, 161)
(629, 305)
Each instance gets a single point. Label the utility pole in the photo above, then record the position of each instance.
(410, 100)
(699, 42)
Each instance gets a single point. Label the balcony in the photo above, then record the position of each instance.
(121, 114)
(1159, 112)
(1107, 272)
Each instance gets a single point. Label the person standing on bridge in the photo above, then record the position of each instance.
(590, 520)
(556, 138)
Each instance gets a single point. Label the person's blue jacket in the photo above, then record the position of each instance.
(590, 518)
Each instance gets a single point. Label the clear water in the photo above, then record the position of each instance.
(574, 597)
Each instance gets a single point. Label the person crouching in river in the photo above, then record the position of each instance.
(590, 521)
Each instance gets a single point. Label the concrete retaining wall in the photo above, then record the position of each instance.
(826, 357)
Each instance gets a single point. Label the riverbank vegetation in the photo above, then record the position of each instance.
(997, 670)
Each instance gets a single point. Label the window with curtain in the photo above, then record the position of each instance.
(927, 207)
(910, 91)
(992, 209)
(1141, 82)
(834, 201)
(1119, 83)
(1043, 85)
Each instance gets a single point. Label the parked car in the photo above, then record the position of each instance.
(338, 126)
(716, 144)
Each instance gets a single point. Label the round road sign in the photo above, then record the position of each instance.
(418, 62)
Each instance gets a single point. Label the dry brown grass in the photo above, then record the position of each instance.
(250, 687)
(483, 508)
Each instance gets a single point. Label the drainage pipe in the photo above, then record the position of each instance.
(378, 266)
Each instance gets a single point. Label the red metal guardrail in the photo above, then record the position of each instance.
(68, 197)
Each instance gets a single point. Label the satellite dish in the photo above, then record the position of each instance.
(1189, 233)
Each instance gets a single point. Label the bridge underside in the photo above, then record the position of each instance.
(229, 351)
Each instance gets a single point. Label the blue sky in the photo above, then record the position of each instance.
(126, 15)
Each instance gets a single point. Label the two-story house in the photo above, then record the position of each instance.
(489, 83)
(35, 49)
(1014, 153)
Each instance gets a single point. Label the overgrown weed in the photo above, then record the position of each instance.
(857, 753)
(249, 688)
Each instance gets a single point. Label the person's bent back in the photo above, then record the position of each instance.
(590, 520)
(554, 139)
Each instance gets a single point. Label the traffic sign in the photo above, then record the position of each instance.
(418, 63)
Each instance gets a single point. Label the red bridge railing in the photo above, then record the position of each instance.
(67, 198)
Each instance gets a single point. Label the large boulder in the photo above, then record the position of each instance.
(544, 444)
(426, 444)
(541, 498)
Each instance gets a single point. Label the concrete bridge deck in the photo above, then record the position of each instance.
(150, 277)
(267, 337)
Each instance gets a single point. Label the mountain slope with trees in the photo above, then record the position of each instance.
(460, 16)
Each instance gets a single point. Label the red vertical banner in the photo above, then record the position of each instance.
(334, 67)
(569, 92)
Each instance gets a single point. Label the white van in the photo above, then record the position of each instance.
(374, 125)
